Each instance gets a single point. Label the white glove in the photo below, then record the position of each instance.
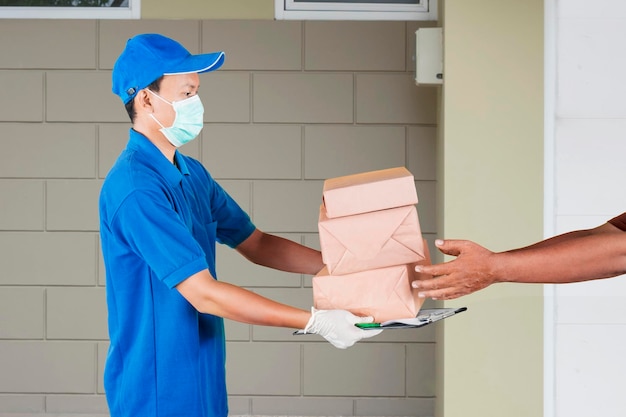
(338, 327)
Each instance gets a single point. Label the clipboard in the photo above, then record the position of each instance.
(425, 317)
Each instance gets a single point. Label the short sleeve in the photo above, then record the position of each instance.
(619, 222)
(234, 224)
(157, 235)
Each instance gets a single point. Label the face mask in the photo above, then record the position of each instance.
(187, 123)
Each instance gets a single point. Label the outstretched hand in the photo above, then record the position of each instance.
(338, 327)
(471, 271)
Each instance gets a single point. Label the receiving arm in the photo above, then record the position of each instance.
(571, 257)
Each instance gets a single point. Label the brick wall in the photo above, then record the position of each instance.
(295, 103)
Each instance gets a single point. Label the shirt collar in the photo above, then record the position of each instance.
(180, 163)
(152, 157)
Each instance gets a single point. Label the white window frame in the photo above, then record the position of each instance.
(338, 10)
(133, 11)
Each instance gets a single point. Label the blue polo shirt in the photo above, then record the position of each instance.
(158, 225)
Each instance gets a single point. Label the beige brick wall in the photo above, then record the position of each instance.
(295, 103)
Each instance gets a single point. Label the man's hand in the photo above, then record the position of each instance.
(471, 271)
(338, 327)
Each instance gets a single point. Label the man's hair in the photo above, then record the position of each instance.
(130, 106)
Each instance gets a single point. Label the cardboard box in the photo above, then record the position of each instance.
(370, 240)
(369, 191)
(385, 293)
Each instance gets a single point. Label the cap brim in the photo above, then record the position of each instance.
(197, 63)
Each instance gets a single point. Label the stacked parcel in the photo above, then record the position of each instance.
(371, 240)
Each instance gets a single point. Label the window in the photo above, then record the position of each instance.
(356, 9)
(70, 9)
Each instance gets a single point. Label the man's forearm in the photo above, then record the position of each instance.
(574, 257)
(232, 302)
(282, 254)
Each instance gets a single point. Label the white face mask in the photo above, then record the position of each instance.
(188, 122)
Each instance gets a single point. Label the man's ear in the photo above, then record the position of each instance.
(143, 101)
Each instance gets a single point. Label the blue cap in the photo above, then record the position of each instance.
(148, 57)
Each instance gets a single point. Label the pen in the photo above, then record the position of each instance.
(367, 325)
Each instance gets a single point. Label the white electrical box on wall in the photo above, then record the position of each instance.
(429, 56)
